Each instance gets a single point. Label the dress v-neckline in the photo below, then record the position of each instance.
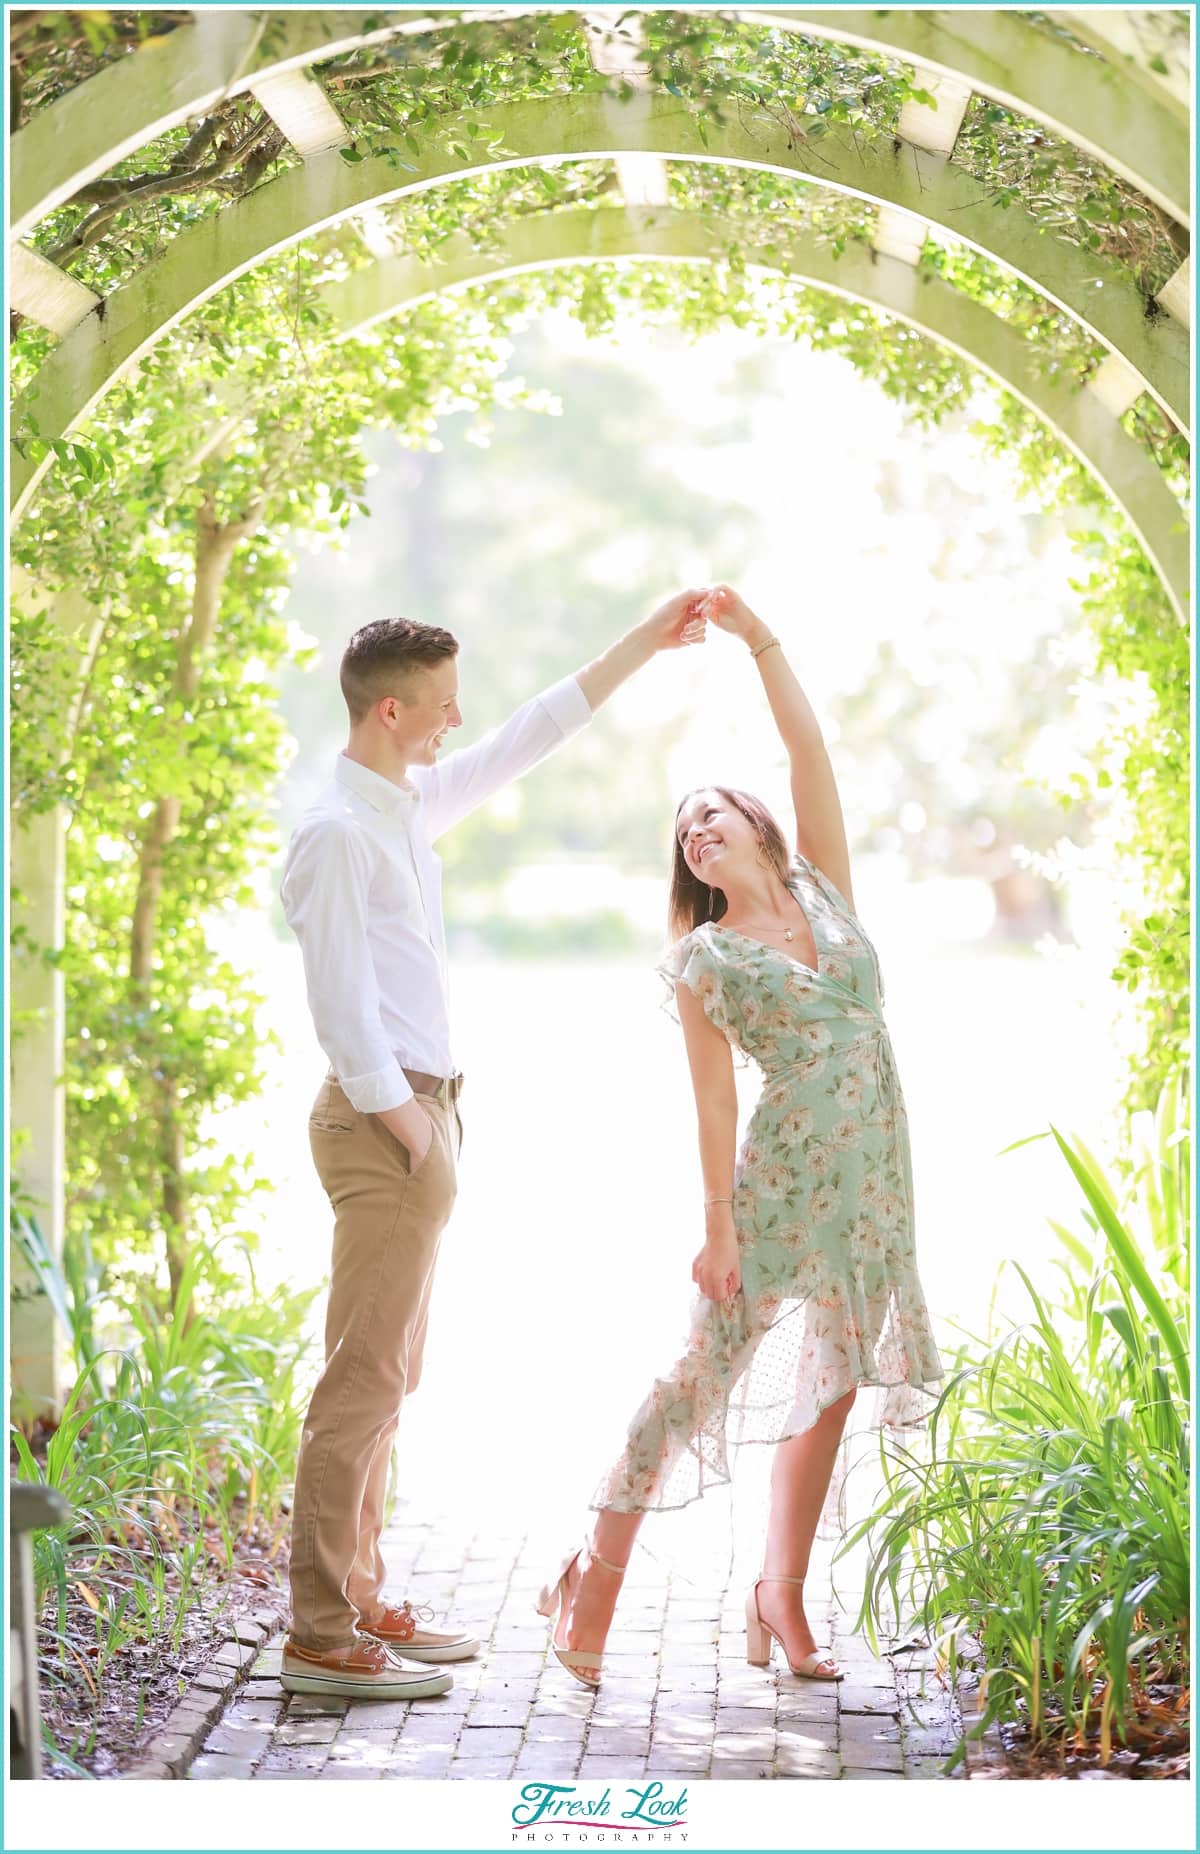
(802, 965)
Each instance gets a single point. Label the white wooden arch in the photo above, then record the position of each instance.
(1122, 467)
(222, 53)
(1150, 45)
(215, 251)
(1127, 109)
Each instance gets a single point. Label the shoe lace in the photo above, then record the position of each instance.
(410, 1616)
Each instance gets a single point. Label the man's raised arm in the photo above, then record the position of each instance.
(469, 776)
(675, 623)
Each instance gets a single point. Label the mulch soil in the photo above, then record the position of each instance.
(1155, 1747)
(102, 1718)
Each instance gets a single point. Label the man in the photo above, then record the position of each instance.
(362, 892)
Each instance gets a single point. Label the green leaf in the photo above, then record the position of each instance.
(1129, 1259)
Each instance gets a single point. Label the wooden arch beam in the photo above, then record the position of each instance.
(132, 102)
(216, 251)
(1121, 466)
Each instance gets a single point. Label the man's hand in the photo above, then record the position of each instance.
(677, 621)
(412, 1126)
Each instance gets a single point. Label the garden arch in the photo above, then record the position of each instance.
(1123, 104)
(1139, 130)
(977, 335)
(872, 167)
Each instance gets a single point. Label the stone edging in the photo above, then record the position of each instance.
(180, 1736)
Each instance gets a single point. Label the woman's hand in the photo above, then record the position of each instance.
(717, 1270)
(726, 609)
(677, 621)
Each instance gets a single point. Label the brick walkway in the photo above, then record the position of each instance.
(678, 1699)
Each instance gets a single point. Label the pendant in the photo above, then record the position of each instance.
(787, 933)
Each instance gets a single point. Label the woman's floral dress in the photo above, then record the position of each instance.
(822, 1205)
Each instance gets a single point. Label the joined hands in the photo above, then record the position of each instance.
(683, 619)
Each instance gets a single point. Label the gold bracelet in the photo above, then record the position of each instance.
(717, 1200)
(766, 646)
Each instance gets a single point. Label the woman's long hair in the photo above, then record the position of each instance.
(690, 900)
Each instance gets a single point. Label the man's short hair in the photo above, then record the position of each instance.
(379, 659)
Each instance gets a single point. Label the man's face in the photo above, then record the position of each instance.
(421, 722)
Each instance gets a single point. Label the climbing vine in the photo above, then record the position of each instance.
(245, 429)
(434, 90)
(230, 442)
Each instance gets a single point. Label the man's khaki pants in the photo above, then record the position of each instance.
(388, 1223)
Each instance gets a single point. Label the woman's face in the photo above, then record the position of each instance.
(717, 840)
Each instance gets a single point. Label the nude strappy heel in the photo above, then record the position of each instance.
(759, 1637)
(552, 1602)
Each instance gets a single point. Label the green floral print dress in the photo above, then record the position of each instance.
(822, 1205)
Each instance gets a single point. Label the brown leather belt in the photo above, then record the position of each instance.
(442, 1087)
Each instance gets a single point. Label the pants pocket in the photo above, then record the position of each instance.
(400, 1150)
(418, 1171)
(331, 1112)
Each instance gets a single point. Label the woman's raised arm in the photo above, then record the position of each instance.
(820, 827)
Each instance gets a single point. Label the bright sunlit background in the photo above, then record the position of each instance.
(929, 614)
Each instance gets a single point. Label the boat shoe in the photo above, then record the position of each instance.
(401, 1628)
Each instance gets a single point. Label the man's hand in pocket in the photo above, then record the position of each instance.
(412, 1127)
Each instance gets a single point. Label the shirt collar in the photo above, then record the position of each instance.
(383, 794)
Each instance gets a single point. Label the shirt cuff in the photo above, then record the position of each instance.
(369, 1094)
(567, 706)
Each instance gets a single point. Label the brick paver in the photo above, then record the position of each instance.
(678, 1701)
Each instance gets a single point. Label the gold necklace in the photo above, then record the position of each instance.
(787, 932)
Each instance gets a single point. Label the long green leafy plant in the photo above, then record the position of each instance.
(1048, 1517)
(172, 1452)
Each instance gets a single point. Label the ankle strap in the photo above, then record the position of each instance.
(618, 1570)
(766, 1578)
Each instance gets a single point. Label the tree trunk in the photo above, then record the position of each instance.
(215, 545)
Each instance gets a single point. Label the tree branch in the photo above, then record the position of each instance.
(215, 545)
(117, 196)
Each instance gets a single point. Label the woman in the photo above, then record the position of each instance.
(807, 1275)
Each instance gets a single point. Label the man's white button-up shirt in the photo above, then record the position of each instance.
(362, 892)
